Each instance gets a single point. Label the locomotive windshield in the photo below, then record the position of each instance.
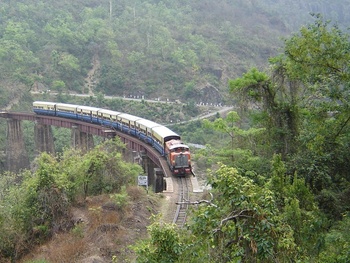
(181, 160)
(179, 149)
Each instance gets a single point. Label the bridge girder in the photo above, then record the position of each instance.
(131, 142)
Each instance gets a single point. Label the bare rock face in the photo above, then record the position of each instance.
(217, 72)
(209, 94)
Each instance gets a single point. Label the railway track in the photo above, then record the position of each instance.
(184, 185)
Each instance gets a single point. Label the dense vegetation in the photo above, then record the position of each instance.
(169, 49)
(278, 167)
(281, 181)
(35, 205)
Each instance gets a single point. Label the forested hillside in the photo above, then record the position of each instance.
(277, 168)
(172, 49)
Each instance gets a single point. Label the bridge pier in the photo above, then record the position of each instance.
(44, 141)
(81, 140)
(160, 184)
(155, 175)
(17, 156)
(148, 167)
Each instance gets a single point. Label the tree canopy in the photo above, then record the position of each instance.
(297, 208)
(35, 205)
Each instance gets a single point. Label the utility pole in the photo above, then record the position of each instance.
(110, 10)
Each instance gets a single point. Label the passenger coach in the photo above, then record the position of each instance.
(148, 131)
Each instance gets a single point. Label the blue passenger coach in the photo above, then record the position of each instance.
(66, 110)
(144, 130)
(45, 108)
(128, 123)
(88, 114)
(162, 134)
(109, 118)
(148, 131)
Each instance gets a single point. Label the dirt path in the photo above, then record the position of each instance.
(91, 79)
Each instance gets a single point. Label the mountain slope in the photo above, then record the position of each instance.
(152, 48)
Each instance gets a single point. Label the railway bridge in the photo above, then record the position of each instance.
(81, 137)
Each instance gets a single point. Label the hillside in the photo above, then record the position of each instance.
(101, 231)
(277, 168)
(178, 50)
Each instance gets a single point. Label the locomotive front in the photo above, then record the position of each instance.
(179, 157)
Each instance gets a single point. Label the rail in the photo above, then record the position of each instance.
(182, 204)
(131, 142)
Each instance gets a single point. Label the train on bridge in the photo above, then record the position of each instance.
(164, 140)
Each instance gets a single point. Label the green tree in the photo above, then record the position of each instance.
(305, 103)
(239, 145)
(45, 200)
(318, 57)
(58, 85)
(278, 103)
(241, 223)
(33, 209)
(20, 62)
(36, 204)
(298, 208)
(68, 66)
(163, 246)
(337, 243)
(12, 236)
(227, 126)
(105, 171)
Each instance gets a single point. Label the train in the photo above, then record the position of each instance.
(164, 140)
